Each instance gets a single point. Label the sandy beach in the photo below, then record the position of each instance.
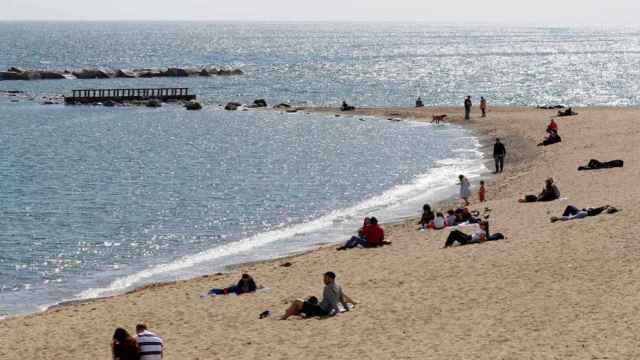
(566, 290)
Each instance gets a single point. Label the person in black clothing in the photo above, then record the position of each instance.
(245, 285)
(467, 107)
(499, 152)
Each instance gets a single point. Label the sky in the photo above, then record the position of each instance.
(542, 12)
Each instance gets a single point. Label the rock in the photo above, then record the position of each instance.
(259, 103)
(204, 72)
(121, 73)
(282, 106)
(53, 75)
(153, 103)
(292, 110)
(102, 73)
(193, 105)
(109, 103)
(16, 69)
(236, 72)
(175, 72)
(147, 73)
(12, 75)
(232, 106)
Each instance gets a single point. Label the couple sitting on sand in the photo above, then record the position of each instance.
(145, 346)
(332, 298)
(370, 235)
(457, 237)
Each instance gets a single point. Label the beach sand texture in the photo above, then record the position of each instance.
(550, 291)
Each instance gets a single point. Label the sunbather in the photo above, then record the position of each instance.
(332, 297)
(567, 112)
(244, 286)
(572, 212)
(595, 165)
(549, 193)
(482, 235)
(371, 235)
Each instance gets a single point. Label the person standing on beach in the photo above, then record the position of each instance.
(483, 106)
(465, 189)
(467, 107)
(499, 152)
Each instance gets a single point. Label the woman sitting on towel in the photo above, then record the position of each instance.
(482, 235)
(549, 193)
(244, 286)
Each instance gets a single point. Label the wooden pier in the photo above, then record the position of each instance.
(88, 96)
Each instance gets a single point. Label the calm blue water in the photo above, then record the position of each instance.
(94, 201)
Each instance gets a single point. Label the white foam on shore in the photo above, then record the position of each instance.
(398, 202)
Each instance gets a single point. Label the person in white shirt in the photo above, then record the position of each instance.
(150, 344)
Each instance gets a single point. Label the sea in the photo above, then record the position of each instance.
(96, 201)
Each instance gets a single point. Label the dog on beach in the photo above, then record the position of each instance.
(437, 118)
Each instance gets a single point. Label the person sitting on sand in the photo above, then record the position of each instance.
(332, 296)
(439, 222)
(359, 239)
(553, 126)
(346, 107)
(463, 215)
(419, 102)
(553, 138)
(372, 235)
(245, 285)
(451, 219)
(567, 112)
(572, 213)
(150, 344)
(124, 346)
(482, 192)
(549, 193)
(427, 216)
(482, 235)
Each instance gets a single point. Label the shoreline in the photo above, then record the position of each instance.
(566, 290)
(447, 202)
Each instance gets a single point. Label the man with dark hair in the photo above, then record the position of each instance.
(150, 344)
(467, 107)
(332, 295)
(371, 235)
(499, 152)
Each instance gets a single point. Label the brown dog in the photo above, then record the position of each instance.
(437, 118)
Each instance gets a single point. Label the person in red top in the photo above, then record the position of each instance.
(553, 126)
(371, 235)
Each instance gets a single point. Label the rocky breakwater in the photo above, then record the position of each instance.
(15, 73)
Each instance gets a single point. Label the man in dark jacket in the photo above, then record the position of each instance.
(499, 152)
(467, 107)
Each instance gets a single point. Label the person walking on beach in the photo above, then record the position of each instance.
(150, 344)
(483, 106)
(499, 152)
(465, 189)
(467, 107)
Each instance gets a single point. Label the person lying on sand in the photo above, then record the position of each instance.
(244, 286)
(482, 235)
(572, 213)
(553, 138)
(595, 165)
(567, 112)
(371, 235)
(549, 193)
(332, 297)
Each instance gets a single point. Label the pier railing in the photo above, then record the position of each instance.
(86, 96)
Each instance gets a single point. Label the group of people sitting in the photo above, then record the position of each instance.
(145, 346)
(334, 301)
(438, 221)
